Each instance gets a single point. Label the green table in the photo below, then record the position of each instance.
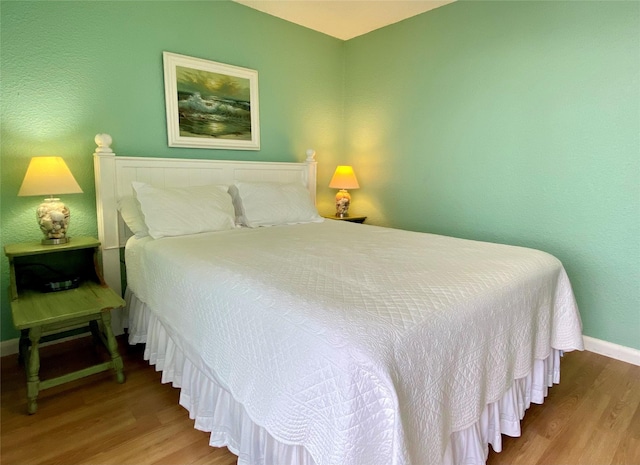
(39, 315)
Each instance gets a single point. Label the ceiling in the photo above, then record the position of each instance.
(344, 19)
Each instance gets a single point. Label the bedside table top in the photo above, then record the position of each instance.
(352, 218)
(35, 248)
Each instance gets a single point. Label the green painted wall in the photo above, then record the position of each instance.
(514, 122)
(71, 70)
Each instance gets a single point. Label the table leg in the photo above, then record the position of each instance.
(23, 346)
(33, 381)
(95, 332)
(112, 346)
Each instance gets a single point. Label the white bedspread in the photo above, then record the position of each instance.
(365, 345)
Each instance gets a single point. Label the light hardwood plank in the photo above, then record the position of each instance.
(591, 418)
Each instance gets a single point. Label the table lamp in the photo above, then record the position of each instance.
(50, 176)
(344, 178)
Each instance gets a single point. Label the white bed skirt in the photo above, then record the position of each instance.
(214, 410)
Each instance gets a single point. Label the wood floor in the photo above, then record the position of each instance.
(591, 418)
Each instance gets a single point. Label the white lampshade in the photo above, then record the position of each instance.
(48, 176)
(344, 178)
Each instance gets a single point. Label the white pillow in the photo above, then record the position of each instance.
(132, 215)
(178, 211)
(272, 203)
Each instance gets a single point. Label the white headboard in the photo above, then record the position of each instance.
(113, 177)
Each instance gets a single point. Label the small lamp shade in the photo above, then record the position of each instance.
(344, 178)
(50, 176)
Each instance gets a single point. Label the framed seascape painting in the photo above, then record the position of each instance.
(210, 104)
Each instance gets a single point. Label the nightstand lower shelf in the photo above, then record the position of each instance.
(37, 314)
(100, 324)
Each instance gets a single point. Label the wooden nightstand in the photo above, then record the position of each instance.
(351, 219)
(42, 316)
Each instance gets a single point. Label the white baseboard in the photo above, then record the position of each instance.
(598, 346)
(611, 350)
(9, 347)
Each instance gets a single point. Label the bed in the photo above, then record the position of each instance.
(298, 341)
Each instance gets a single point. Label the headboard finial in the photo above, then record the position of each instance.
(103, 141)
(311, 155)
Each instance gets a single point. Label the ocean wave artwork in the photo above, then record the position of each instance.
(213, 105)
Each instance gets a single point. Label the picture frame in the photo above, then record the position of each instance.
(210, 105)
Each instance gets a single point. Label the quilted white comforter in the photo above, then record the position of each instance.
(367, 345)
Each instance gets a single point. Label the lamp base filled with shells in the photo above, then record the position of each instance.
(343, 200)
(53, 218)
